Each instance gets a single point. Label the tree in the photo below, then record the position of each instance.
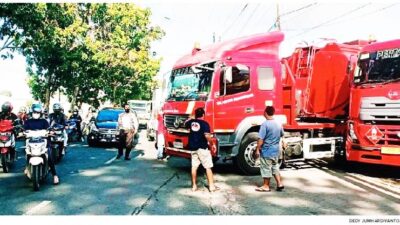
(84, 49)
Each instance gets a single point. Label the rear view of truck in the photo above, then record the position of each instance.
(374, 121)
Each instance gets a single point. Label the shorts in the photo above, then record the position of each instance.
(269, 166)
(203, 157)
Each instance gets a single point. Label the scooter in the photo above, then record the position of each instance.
(7, 144)
(72, 130)
(56, 133)
(37, 154)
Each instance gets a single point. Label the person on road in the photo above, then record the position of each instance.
(199, 143)
(75, 116)
(268, 148)
(128, 125)
(22, 115)
(7, 114)
(37, 122)
(58, 117)
(160, 137)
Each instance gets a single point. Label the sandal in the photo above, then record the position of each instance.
(262, 189)
(280, 188)
(214, 189)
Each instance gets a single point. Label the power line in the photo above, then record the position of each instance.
(299, 9)
(291, 12)
(332, 20)
(237, 17)
(248, 18)
(365, 14)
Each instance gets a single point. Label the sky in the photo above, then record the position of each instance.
(188, 22)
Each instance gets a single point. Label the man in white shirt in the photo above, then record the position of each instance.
(128, 126)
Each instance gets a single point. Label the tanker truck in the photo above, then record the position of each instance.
(374, 120)
(235, 80)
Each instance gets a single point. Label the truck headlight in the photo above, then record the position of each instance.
(352, 134)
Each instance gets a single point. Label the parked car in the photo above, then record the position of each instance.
(105, 127)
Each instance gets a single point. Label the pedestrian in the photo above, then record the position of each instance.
(199, 143)
(128, 125)
(268, 148)
(160, 137)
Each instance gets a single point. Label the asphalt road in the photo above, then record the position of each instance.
(94, 183)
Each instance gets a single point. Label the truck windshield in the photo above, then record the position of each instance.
(378, 67)
(186, 85)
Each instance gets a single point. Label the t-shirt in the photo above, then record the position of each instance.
(271, 132)
(36, 124)
(197, 138)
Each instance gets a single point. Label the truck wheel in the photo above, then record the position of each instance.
(245, 160)
(36, 177)
(4, 163)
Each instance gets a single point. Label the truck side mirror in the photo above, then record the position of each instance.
(228, 75)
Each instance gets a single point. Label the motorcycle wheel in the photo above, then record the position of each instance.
(4, 163)
(35, 177)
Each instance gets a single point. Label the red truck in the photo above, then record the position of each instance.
(235, 80)
(374, 120)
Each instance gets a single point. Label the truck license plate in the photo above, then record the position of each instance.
(390, 150)
(178, 144)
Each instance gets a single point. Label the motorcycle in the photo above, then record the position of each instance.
(7, 143)
(37, 152)
(56, 133)
(72, 130)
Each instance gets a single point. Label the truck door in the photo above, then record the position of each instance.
(234, 99)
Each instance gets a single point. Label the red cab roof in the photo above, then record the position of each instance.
(382, 46)
(219, 50)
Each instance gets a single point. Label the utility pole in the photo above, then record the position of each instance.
(213, 37)
(278, 17)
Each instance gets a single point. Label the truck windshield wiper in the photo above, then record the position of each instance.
(392, 80)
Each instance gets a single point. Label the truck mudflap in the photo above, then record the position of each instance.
(315, 148)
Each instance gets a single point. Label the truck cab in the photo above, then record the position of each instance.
(374, 120)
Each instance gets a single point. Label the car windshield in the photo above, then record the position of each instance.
(377, 67)
(186, 85)
(108, 115)
(139, 109)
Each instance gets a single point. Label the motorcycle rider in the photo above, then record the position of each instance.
(7, 114)
(58, 117)
(22, 115)
(37, 122)
(75, 115)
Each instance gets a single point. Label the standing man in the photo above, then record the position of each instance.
(160, 136)
(128, 125)
(268, 147)
(199, 141)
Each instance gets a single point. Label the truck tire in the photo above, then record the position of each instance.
(36, 177)
(4, 163)
(245, 160)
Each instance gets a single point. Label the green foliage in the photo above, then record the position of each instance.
(83, 49)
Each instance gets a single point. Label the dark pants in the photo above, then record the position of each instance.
(123, 139)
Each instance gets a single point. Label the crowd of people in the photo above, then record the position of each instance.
(200, 141)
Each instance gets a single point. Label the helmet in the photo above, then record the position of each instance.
(7, 107)
(37, 108)
(57, 107)
(22, 110)
(75, 111)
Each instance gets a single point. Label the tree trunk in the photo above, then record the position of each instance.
(47, 94)
(73, 102)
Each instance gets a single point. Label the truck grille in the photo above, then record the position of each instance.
(391, 136)
(380, 109)
(175, 121)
